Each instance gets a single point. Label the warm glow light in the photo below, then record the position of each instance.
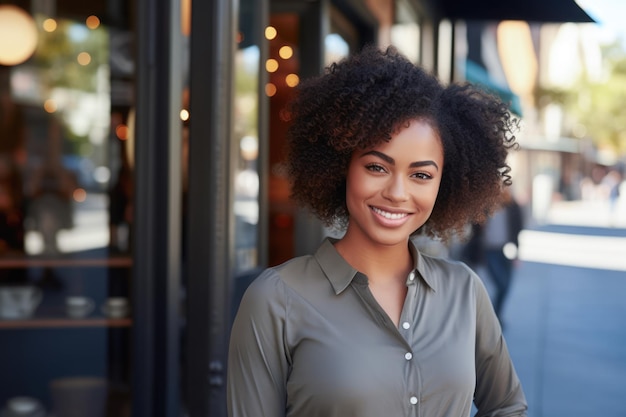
(18, 35)
(270, 89)
(184, 115)
(270, 32)
(83, 58)
(49, 25)
(185, 17)
(92, 22)
(130, 143)
(271, 65)
(292, 80)
(79, 195)
(518, 57)
(121, 131)
(240, 37)
(285, 52)
(50, 106)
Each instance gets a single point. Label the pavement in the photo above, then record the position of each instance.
(565, 318)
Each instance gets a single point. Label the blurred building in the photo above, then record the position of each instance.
(142, 145)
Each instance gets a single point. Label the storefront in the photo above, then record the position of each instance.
(141, 147)
(141, 185)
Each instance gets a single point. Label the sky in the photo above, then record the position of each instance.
(610, 16)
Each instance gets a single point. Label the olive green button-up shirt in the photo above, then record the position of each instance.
(310, 340)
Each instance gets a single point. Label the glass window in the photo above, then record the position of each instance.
(247, 140)
(405, 32)
(342, 38)
(66, 193)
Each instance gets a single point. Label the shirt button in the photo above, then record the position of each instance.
(406, 325)
(408, 356)
(411, 276)
(413, 400)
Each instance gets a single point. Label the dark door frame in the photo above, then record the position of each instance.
(157, 211)
(210, 218)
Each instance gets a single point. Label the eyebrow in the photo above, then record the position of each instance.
(391, 161)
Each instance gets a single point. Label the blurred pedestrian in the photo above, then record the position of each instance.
(612, 183)
(369, 326)
(494, 246)
(51, 188)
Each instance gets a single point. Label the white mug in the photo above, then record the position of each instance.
(19, 301)
(24, 406)
(78, 306)
(116, 307)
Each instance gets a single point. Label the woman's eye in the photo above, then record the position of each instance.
(422, 175)
(375, 168)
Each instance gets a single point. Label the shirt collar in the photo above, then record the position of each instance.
(340, 273)
(424, 270)
(337, 270)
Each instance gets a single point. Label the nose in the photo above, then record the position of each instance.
(396, 189)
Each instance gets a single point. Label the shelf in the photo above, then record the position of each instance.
(63, 322)
(27, 262)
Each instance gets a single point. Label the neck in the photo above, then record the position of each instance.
(378, 262)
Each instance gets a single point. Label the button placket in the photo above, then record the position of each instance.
(406, 327)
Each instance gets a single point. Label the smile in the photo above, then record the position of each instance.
(390, 216)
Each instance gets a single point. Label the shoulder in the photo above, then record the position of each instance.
(274, 282)
(456, 283)
(447, 269)
(296, 269)
(449, 276)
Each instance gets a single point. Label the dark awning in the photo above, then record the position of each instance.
(544, 11)
(478, 75)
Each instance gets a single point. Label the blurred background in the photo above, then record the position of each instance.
(142, 189)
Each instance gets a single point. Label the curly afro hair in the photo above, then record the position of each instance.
(364, 100)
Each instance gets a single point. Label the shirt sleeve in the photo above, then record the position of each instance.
(258, 360)
(498, 389)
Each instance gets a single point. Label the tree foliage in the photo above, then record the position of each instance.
(595, 108)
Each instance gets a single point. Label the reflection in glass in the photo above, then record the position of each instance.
(405, 32)
(246, 136)
(63, 94)
(65, 206)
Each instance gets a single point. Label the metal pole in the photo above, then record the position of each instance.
(210, 215)
(157, 211)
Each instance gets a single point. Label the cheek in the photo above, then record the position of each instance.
(356, 194)
(357, 185)
(429, 195)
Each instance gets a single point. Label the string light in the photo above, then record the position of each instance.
(270, 32)
(83, 58)
(49, 25)
(285, 52)
(271, 65)
(270, 89)
(92, 22)
(50, 106)
(292, 80)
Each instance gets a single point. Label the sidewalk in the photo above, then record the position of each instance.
(565, 323)
(593, 213)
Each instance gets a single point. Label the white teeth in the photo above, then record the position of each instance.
(390, 216)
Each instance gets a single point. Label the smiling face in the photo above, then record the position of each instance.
(391, 189)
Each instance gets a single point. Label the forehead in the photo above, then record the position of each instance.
(414, 137)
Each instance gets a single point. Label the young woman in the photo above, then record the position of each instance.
(368, 326)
